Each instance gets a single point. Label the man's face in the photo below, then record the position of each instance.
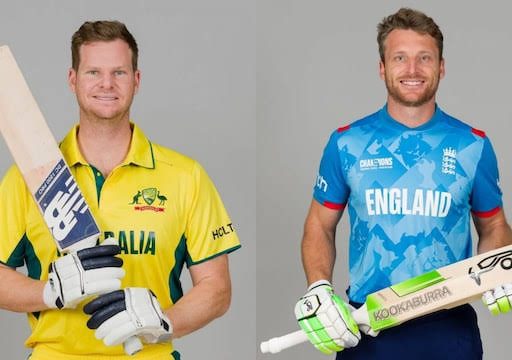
(412, 68)
(105, 82)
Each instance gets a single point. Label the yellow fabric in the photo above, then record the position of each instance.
(159, 204)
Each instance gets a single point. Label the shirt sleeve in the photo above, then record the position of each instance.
(210, 232)
(486, 195)
(331, 189)
(13, 195)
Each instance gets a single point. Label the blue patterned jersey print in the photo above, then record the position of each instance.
(409, 193)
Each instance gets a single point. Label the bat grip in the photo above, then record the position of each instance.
(275, 345)
(132, 345)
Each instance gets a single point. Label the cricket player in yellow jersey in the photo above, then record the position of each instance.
(159, 205)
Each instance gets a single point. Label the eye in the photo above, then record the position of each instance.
(92, 72)
(119, 72)
(399, 58)
(426, 58)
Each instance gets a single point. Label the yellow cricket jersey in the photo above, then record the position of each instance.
(161, 206)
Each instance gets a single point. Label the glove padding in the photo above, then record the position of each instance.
(83, 273)
(121, 314)
(326, 319)
(498, 300)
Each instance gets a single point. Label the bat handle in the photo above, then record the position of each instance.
(277, 344)
(132, 345)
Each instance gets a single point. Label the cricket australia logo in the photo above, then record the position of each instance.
(449, 161)
(153, 200)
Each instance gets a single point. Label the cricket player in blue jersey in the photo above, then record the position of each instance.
(409, 176)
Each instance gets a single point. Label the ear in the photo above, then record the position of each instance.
(137, 80)
(382, 70)
(72, 79)
(441, 69)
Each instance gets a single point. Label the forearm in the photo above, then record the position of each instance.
(318, 253)
(20, 293)
(496, 237)
(202, 304)
(207, 300)
(318, 242)
(493, 232)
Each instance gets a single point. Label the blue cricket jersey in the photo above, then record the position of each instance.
(409, 193)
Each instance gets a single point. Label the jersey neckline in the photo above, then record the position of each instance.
(390, 121)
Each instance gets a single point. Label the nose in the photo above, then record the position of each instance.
(106, 81)
(412, 65)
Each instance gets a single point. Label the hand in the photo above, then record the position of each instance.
(75, 276)
(363, 323)
(499, 300)
(326, 319)
(121, 314)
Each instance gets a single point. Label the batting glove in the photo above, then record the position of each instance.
(326, 319)
(499, 300)
(122, 314)
(74, 277)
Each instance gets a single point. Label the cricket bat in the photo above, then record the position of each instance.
(444, 288)
(43, 167)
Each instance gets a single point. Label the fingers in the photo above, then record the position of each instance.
(499, 300)
(104, 300)
(104, 314)
(98, 251)
(101, 262)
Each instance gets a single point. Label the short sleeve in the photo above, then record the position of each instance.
(209, 232)
(331, 189)
(13, 194)
(486, 195)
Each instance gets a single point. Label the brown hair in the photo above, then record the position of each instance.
(103, 30)
(409, 19)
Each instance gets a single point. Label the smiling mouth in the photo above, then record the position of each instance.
(412, 82)
(105, 98)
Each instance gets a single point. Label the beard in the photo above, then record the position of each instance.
(427, 95)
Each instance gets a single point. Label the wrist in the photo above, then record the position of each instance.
(319, 283)
(49, 295)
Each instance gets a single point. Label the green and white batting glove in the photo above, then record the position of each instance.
(326, 319)
(499, 300)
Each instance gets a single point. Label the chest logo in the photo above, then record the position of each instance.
(449, 161)
(152, 200)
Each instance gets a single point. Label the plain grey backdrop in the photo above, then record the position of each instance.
(197, 96)
(252, 89)
(318, 70)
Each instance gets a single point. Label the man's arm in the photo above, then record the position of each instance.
(493, 232)
(318, 242)
(208, 299)
(20, 293)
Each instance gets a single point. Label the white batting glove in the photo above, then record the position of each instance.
(326, 319)
(74, 277)
(499, 300)
(121, 314)
(364, 327)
